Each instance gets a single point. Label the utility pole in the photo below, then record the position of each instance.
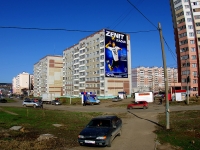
(187, 81)
(71, 86)
(165, 77)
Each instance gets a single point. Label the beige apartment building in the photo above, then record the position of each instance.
(48, 75)
(99, 63)
(152, 78)
(22, 81)
(186, 23)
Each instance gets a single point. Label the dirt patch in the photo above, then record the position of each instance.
(28, 141)
(167, 146)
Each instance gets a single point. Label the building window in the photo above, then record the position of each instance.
(198, 24)
(182, 35)
(190, 26)
(187, 6)
(184, 49)
(198, 31)
(184, 57)
(193, 49)
(176, 2)
(189, 19)
(188, 13)
(180, 14)
(181, 20)
(182, 28)
(194, 57)
(178, 8)
(197, 17)
(194, 65)
(191, 34)
(102, 44)
(102, 50)
(183, 42)
(194, 73)
(191, 41)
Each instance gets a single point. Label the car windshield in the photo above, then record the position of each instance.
(99, 123)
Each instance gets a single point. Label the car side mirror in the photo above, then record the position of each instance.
(114, 127)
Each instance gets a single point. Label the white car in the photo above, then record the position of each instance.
(31, 103)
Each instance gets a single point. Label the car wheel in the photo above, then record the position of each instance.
(34, 106)
(109, 142)
(144, 107)
(81, 144)
(24, 105)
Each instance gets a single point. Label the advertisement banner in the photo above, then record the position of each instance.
(116, 63)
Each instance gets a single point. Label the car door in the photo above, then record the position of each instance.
(140, 104)
(30, 103)
(115, 126)
(136, 105)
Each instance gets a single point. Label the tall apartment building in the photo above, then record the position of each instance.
(48, 75)
(99, 63)
(186, 23)
(152, 78)
(22, 81)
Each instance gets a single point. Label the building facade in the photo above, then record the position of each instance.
(98, 63)
(22, 81)
(186, 23)
(152, 78)
(48, 75)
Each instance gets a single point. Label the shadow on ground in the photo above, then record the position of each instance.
(147, 120)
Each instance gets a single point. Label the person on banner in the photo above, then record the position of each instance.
(114, 49)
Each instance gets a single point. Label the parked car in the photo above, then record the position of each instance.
(32, 103)
(139, 104)
(92, 100)
(55, 102)
(101, 131)
(116, 99)
(3, 100)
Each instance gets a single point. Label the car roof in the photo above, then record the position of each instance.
(105, 117)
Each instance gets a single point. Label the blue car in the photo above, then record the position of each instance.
(92, 100)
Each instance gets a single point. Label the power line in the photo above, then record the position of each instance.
(116, 20)
(172, 53)
(122, 19)
(139, 2)
(62, 29)
(52, 29)
(154, 26)
(143, 15)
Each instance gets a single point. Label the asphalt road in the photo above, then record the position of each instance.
(138, 126)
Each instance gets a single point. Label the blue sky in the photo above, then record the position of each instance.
(21, 49)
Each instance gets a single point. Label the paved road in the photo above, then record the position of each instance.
(138, 126)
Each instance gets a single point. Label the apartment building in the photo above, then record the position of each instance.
(98, 63)
(48, 75)
(152, 78)
(186, 23)
(22, 81)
